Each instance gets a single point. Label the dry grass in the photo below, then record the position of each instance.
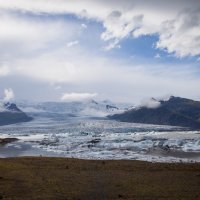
(72, 179)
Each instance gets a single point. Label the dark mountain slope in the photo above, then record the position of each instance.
(10, 114)
(175, 112)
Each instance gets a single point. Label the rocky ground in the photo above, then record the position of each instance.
(62, 179)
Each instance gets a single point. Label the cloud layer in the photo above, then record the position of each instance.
(150, 103)
(65, 45)
(76, 97)
(8, 94)
(176, 22)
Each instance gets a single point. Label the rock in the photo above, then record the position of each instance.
(4, 141)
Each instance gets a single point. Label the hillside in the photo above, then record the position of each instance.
(175, 112)
(11, 114)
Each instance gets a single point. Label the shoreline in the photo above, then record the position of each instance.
(68, 178)
(20, 149)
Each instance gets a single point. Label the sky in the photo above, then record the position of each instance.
(73, 50)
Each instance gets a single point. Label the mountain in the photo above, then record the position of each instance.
(11, 114)
(175, 111)
(89, 108)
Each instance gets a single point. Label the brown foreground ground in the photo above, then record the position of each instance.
(63, 179)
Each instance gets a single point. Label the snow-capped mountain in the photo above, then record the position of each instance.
(85, 108)
(10, 114)
(8, 107)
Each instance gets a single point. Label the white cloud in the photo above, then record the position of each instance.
(84, 26)
(71, 97)
(8, 94)
(157, 56)
(176, 22)
(4, 70)
(181, 35)
(47, 68)
(118, 25)
(22, 35)
(112, 45)
(73, 43)
(150, 103)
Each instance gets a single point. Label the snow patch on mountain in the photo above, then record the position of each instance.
(8, 107)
